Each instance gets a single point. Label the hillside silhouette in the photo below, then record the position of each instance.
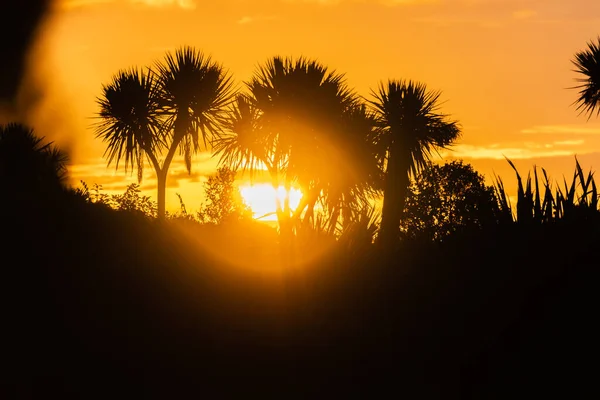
(459, 294)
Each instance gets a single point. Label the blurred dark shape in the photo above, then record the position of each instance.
(20, 21)
(29, 166)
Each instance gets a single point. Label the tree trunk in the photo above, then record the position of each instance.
(161, 177)
(394, 197)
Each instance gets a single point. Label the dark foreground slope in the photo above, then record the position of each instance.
(98, 303)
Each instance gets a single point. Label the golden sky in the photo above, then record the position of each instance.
(503, 66)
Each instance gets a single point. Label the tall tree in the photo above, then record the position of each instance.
(129, 120)
(168, 108)
(349, 187)
(411, 128)
(587, 64)
(292, 123)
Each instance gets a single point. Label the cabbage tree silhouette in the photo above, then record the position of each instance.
(587, 63)
(28, 166)
(130, 120)
(411, 128)
(293, 124)
(165, 109)
(351, 185)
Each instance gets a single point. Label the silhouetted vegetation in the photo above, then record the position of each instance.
(130, 201)
(223, 199)
(444, 199)
(170, 107)
(587, 65)
(465, 295)
(304, 125)
(28, 166)
(411, 129)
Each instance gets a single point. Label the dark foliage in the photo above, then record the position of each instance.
(411, 129)
(100, 303)
(29, 166)
(97, 302)
(223, 199)
(444, 199)
(587, 65)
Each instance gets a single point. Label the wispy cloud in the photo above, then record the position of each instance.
(563, 129)
(495, 152)
(569, 142)
(95, 171)
(74, 4)
(383, 2)
(447, 20)
(185, 4)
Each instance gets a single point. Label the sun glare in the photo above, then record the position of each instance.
(261, 198)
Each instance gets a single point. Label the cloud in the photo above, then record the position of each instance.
(448, 20)
(74, 4)
(390, 3)
(185, 4)
(495, 152)
(569, 142)
(563, 129)
(96, 171)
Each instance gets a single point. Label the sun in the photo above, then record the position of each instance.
(261, 198)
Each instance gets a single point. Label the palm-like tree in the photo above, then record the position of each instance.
(411, 128)
(155, 113)
(243, 145)
(587, 64)
(301, 104)
(195, 92)
(349, 188)
(27, 163)
(292, 123)
(130, 120)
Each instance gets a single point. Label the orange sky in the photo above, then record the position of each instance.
(503, 67)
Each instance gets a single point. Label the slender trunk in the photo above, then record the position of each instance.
(158, 172)
(394, 197)
(275, 185)
(310, 211)
(286, 199)
(161, 178)
(334, 219)
(309, 200)
(301, 206)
